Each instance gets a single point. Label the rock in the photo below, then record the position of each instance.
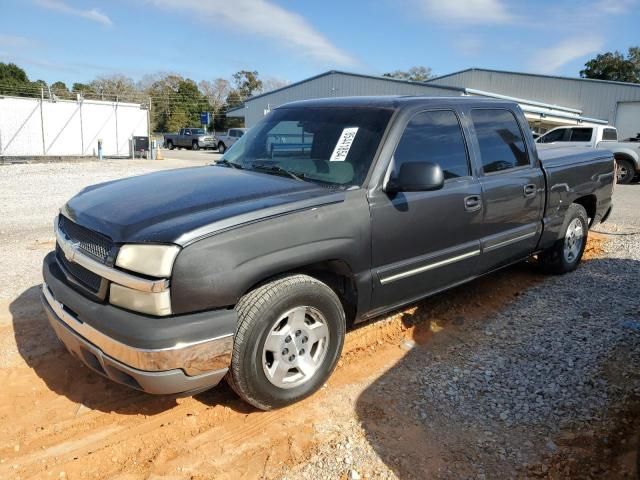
(354, 475)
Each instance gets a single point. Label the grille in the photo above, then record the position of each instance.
(90, 242)
(88, 279)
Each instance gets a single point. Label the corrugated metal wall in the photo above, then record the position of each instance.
(595, 99)
(335, 84)
(69, 128)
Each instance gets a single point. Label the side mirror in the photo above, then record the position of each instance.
(416, 177)
(187, 132)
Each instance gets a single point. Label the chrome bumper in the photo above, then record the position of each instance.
(193, 358)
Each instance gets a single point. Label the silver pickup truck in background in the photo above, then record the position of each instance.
(224, 141)
(601, 137)
(193, 138)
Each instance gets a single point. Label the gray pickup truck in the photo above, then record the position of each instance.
(255, 268)
(193, 138)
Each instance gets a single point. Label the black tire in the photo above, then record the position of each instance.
(258, 312)
(170, 145)
(625, 171)
(195, 145)
(554, 260)
(222, 147)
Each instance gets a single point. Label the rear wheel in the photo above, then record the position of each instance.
(566, 252)
(222, 147)
(195, 145)
(289, 338)
(624, 171)
(170, 145)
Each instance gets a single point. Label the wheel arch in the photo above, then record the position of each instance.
(590, 204)
(629, 156)
(336, 274)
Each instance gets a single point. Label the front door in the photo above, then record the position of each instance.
(425, 241)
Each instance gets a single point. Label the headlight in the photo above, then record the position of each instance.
(152, 260)
(158, 304)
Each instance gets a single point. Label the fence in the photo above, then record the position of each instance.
(35, 127)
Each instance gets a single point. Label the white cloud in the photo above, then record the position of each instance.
(468, 11)
(551, 59)
(15, 42)
(614, 7)
(265, 19)
(94, 14)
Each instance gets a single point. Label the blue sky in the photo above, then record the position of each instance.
(77, 40)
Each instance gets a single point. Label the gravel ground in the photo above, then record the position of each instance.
(30, 196)
(562, 357)
(492, 397)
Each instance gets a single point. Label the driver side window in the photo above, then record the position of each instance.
(434, 136)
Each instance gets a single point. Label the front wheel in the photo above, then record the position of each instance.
(566, 252)
(289, 338)
(195, 145)
(222, 148)
(624, 171)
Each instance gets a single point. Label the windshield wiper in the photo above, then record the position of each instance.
(278, 169)
(227, 163)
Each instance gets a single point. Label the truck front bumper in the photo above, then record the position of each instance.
(168, 360)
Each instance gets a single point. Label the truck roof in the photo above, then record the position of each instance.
(393, 101)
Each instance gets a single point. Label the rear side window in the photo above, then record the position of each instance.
(553, 136)
(610, 134)
(500, 140)
(436, 137)
(581, 134)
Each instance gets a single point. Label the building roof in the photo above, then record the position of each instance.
(387, 101)
(558, 77)
(352, 74)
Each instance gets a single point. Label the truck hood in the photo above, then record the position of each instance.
(180, 206)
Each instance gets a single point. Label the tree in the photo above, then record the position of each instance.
(614, 66)
(176, 102)
(60, 90)
(115, 87)
(216, 93)
(246, 83)
(14, 81)
(85, 90)
(414, 74)
(271, 84)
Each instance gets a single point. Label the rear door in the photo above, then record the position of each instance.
(554, 136)
(512, 187)
(425, 241)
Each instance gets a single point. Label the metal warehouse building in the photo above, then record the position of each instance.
(547, 101)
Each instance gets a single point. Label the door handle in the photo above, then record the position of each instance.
(472, 203)
(530, 190)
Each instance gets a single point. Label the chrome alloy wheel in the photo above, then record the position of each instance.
(295, 347)
(621, 172)
(573, 240)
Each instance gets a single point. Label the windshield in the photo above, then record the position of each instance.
(330, 145)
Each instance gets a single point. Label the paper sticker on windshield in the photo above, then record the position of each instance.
(344, 144)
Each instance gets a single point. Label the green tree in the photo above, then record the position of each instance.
(14, 81)
(176, 102)
(414, 74)
(60, 90)
(246, 83)
(85, 90)
(614, 66)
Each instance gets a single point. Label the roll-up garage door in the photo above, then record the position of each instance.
(628, 119)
